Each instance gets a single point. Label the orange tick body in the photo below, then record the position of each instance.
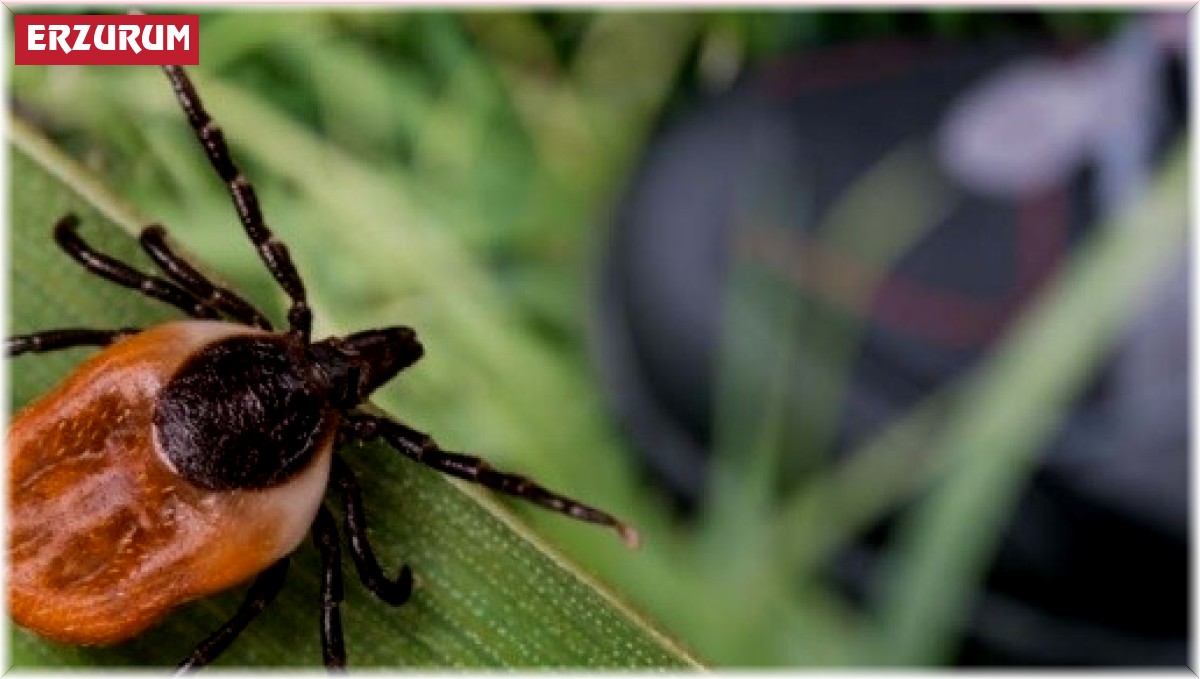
(187, 458)
(105, 536)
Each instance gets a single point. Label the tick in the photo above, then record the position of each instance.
(189, 457)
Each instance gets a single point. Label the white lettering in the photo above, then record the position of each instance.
(99, 41)
(108, 37)
(58, 36)
(129, 39)
(35, 37)
(81, 31)
(178, 34)
(158, 32)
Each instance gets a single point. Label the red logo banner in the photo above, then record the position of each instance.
(107, 40)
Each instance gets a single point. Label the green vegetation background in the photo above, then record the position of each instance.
(453, 172)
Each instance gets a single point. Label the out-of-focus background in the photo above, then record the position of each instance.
(848, 312)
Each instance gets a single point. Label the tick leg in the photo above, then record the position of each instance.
(274, 254)
(423, 449)
(261, 594)
(394, 592)
(154, 242)
(325, 537)
(66, 338)
(67, 237)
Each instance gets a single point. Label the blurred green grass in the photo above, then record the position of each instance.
(452, 172)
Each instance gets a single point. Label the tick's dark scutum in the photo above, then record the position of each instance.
(244, 413)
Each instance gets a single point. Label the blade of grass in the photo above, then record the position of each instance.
(823, 514)
(879, 218)
(801, 350)
(491, 594)
(1008, 410)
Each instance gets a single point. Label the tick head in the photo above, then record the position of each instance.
(358, 364)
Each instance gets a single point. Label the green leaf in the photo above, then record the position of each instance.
(490, 593)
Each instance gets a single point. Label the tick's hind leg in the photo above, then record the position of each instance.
(154, 242)
(266, 586)
(67, 236)
(65, 338)
(423, 449)
(325, 537)
(394, 592)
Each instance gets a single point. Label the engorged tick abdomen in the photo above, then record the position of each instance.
(242, 413)
(104, 536)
